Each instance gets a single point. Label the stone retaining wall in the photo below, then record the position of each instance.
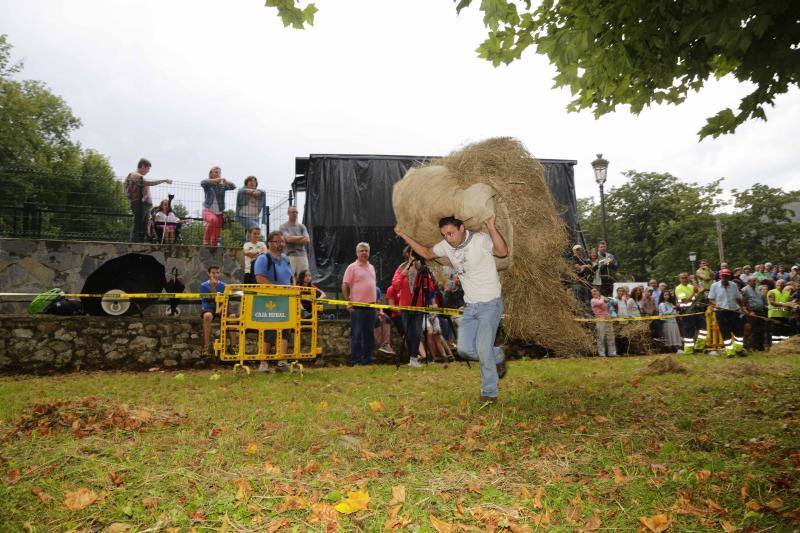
(48, 344)
(38, 265)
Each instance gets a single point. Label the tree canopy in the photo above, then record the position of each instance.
(654, 220)
(41, 164)
(637, 53)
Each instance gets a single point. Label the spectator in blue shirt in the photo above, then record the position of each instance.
(273, 268)
(208, 306)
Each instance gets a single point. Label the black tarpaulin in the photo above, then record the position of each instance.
(349, 200)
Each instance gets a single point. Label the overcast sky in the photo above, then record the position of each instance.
(195, 83)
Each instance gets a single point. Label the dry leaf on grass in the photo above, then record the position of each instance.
(355, 501)
(656, 523)
(244, 490)
(593, 524)
(728, 527)
(278, 524)
(619, 477)
(252, 447)
(325, 514)
(537, 498)
(42, 495)
(398, 495)
(377, 405)
(703, 475)
(440, 525)
(118, 527)
(79, 499)
(753, 505)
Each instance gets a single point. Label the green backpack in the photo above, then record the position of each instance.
(40, 304)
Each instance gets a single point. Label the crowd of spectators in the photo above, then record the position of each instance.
(752, 308)
(162, 225)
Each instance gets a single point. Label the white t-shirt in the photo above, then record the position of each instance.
(473, 261)
(249, 247)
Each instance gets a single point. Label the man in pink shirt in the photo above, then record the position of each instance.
(358, 285)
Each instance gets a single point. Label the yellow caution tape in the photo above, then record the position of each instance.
(635, 318)
(209, 295)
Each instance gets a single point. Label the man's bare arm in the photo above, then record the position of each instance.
(499, 246)
(424, 251)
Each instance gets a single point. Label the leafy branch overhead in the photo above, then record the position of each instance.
(292, 15)
(636, 53)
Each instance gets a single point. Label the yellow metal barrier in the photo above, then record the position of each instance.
(252, 315)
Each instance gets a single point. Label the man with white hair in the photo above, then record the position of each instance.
(358, 285)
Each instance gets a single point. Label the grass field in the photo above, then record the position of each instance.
(592, 444)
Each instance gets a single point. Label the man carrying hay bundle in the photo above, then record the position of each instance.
(472, 256)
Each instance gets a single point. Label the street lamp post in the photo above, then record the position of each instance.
(600, 167)
(692, 259)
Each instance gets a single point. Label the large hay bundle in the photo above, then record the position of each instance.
(500, 176)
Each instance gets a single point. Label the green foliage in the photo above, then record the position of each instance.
(40, 163)
(636, 53)
(761, 227)
(654, 220)
(292, 15)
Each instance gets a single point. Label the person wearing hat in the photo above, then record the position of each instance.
(725, 298)
(584, 272)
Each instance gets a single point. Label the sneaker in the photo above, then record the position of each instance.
(282, 366)
(502, 369)
(263, 366)
(386, 348)
(414, 363)
(488, 399)
(713, 352)
(680, 352)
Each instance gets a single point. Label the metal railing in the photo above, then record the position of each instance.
(75, 213)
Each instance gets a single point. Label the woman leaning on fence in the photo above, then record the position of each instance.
(251, 205)
(214, 204)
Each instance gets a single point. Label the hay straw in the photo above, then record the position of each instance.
(790, 346)
(536, 307)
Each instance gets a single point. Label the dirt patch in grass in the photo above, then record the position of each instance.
(665, 365)
(89, 416)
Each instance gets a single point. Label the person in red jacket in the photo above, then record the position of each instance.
(411, 285)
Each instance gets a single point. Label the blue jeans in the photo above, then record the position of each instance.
(248, 223)
(477, 330)
(362, 338)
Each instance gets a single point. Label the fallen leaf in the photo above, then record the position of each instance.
(775, 504)
(744, 492)
(197, 516)
(753, 505)
(118, 527)
(714, 505)
(593, 523)
(541, 519)
(398, 495)
(355, 501)
(277, 525)
(537, 498)
(291, 503)
(244, 490)
(573, 515)
(394, 510)
(703, 475)
(252, 447)
(728, 527)
(79, 499)
(115, 478)
(269, 468)
(440, 525)
(472, 488)
(326, 514)
(703, 437)
(323, 405)
(656, 523)
(619, 477)
(12, 476)
(377, 405)
(150, 503)
(635, 380)
(659, 469)
(42, 495)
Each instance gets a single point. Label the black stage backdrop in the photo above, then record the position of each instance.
(349, 200)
